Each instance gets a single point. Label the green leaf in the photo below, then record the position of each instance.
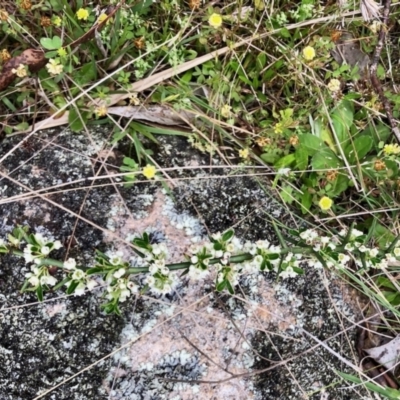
(269, 158)
(261, 61)
(311, 143)
(301, 155)
(51, 44)
(286, 194)
(357, 150)
(228, 235)
(39, 293)
(221, 286)
(72, 286)
(306, 201)
(285, 161)
(339, 186)
(75, 120)
(325, 159)
(342, 120)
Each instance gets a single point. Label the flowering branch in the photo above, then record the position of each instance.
(224, 253)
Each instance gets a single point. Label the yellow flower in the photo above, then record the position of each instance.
(244, 153)
(5, 55)
(20, 71)
(3, 15)
(102, 17)
(101, 111)
(391, 149)
(325, 203)
(149, 171)
(226, 111)
(62, 52)
(57, 21)
(215, 20)
(54, 67)
(334, 85)
(278, 128)
(308, 53)
(82, 13)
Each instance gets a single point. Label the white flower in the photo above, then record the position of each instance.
(125, 293)
(91, 284)
(197, 273)
(382, 265)
(120, 273)
(396, 252)
(325, 239)
(40, 239)
(263, 244)
(390, 258)
(150, 280)
(363, 249)
(165, 271)
(69, 264)
(355, 233)
(80, 289)
(57, 245)
(373, 252)
(132, 287)
(288, 273)
(218, 253)
(48, 280)
(28, 257)
(45, 250)
(349, 247)
(217, 236)
(115, 258)
(78, 275)
(194, 259)
(33, 280)
(343, 258)
(284, 171)
(332, 246)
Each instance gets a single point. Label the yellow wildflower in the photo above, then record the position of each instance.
(391, 149)
(149, 171)
(334, 85)
(57, 21)
(62, 52)
(308, 53)
(5, 55)
(215, 20)
(101, 111)
(82, 13)
(54, 67)
(20, 71)
(102, 17)
(325, 203)
(3, 15)
(226, 111)
(278, 128)
(244, 153)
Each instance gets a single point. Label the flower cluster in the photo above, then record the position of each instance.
(38, 248)
(160, 280)
(78, 280)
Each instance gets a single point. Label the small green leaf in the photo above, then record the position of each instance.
(39, 293)
(51, 44)
(286, 161)
(228, 235)
(72, 286)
